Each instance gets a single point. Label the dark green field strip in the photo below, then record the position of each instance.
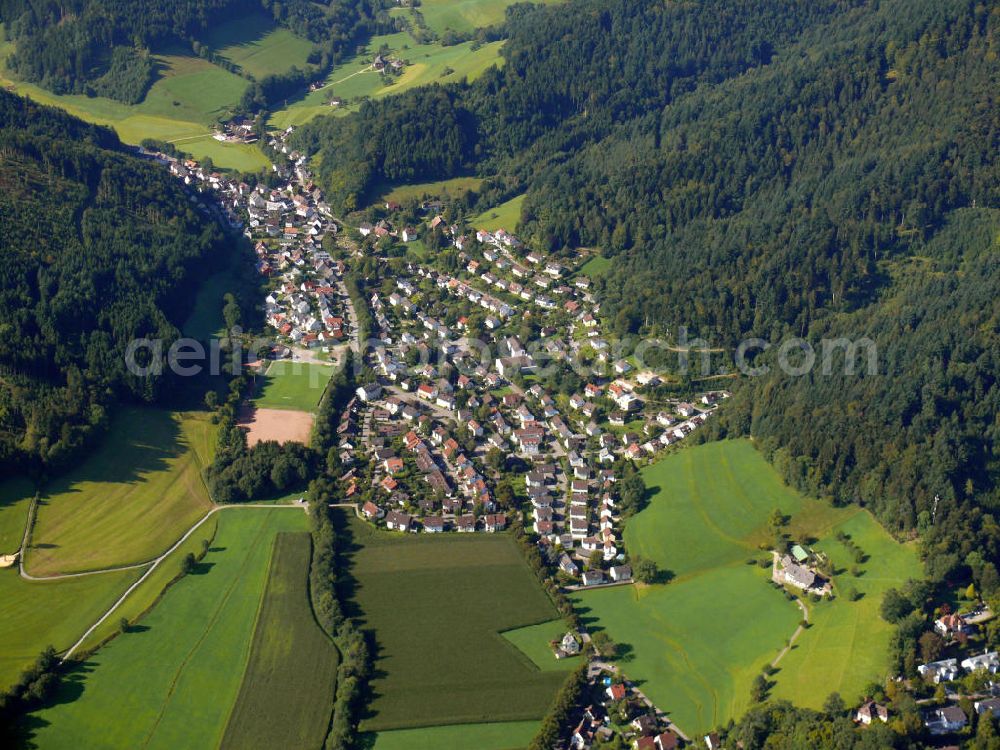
(436, 607)
(287, 692)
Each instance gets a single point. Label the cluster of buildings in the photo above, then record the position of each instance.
(287, 224)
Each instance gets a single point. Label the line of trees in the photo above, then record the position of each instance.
(35, 686)
(556, 723)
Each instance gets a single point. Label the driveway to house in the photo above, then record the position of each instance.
(795, 635)
(594, 669)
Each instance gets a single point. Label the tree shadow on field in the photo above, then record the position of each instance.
(140, 441)
(582, 613)
(348, 586)
(201, 568)
(71, 688)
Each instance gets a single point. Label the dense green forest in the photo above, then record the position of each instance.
(100, 248)
(827, 170)
(102, 46)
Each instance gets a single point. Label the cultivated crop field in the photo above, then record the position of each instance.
(177, 675)
(130, 499)
(292, 385)
(503, 735)
(698, 641)
(436, 605)
(287, 693)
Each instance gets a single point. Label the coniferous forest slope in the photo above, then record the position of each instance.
(815, 168)
(102, 47)
(99, 248)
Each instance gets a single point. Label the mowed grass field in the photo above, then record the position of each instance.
(502, 735)
(505, 216)
(698, 641)
(441, 188)
(847, 645)
(258, 45)
(146, 595)
(292, 385)
(177, 675)
(189, 95)
(130, 499)
(353, 79)
(288, 689)
(461, 15)
(533, 641)
(15, 501)
(437, 606)
(37, 614)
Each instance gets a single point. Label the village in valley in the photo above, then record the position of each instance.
(489, 398)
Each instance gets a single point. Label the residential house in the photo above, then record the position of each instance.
(945, 720)
(593, 577)
(397, 521)
(871, 711)
(945, 670)
(988, 661)
(620, 573)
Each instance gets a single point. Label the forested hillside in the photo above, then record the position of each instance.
(99, 248)
(765, 169)
(103, 47)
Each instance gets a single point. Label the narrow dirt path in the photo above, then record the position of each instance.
(795, 635)
(153, 565)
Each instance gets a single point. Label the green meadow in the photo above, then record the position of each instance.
(697, 642)
(15, 501)
(502, 735)
(146, 595)
(258, 45)
(130, 499)
(460, 15)
(188, 97)
(288, 689)
(505, 216)
(847, 645)
(205, 321)
(534, 642)
(293, 385)
(38, 614)
(354, 79)
(441, 188)
(177, 674)
(437, 605)
(596, 267)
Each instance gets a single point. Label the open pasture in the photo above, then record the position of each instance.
(187, 98)
(501, 735)
(698, 641)
(354, 79)
(176, 674)
(133, 496)
(258, 45)
(505, 216)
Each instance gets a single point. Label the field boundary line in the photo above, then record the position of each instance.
(210, 625)
(153, 565)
